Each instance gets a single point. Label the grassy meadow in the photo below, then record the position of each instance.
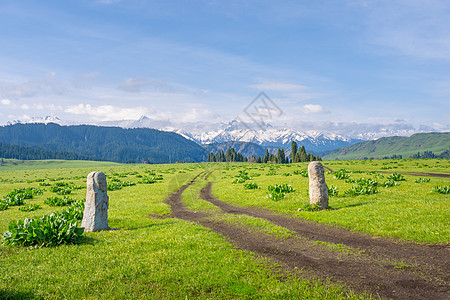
(153, 256)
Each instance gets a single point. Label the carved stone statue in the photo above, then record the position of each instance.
(95, 216)
(318, 189)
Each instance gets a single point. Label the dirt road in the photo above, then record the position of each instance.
(386, 267)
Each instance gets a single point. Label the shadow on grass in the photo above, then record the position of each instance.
(148, 226)
(355, 205)
(8, 294)
(87, 240)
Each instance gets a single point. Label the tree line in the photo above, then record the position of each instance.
(430, 154)
(31, 153)
(297, 155)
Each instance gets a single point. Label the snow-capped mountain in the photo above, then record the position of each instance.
(45, 120)
(271, 137)
(315, 137)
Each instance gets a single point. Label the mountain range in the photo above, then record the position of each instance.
(205, 134)
(249, 139)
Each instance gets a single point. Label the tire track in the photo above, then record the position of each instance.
(426, 278)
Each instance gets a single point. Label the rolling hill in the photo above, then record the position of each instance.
(437, 142)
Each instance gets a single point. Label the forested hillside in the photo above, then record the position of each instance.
(394, 147)
(104, 143)
(36, 153)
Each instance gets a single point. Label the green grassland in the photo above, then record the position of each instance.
(410, 211)
(151, 255)
(15, 164)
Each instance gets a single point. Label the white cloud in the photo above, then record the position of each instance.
(107, 112)
(313, 109)
(25, 106)
(198, 114)
(44, 85)
(5, 102)
(267, 85)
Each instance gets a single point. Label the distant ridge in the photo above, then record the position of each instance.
(437, 142)
(105, 143)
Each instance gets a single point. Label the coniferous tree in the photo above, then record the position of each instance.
(302, 154)
(266, 156)
(294, 152)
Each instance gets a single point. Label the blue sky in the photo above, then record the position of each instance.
(321, 62)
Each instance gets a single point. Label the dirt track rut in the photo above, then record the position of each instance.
(385, 267)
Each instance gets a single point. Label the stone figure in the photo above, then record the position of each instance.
(95, 216)
(318, 189)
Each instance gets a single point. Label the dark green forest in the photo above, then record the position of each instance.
(31, 153)
(297, 155)
(138, 145)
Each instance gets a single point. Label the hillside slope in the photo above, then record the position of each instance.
(436, 142)
(105, 143)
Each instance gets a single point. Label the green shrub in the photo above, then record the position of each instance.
(422, 180)
(442, 189)
(379, 176)
(341, 174)
(17, 196)
(358, 190)
(116, 184)
(61, 190)
(238, 180)
(3, 205)
(56, 201)
(14, 200)
(389, 183)
(303, 173)
(48, 230)
(243, 175)
(74, 211)
(333, 191)
(147, 180)
(276, 196)
(250, 186)
(31, 207)
(396, 177)
(278, 192)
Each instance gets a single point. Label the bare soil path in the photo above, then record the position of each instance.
(386, 267)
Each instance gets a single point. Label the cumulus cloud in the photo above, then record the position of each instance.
(107, 112)
(313, 109)
(5, 102)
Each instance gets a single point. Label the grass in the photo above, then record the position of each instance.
(146, 256)
(410, 211)
(160, 258)
(15, 164)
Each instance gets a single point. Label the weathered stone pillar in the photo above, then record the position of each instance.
(95, 216)
(318, 189)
